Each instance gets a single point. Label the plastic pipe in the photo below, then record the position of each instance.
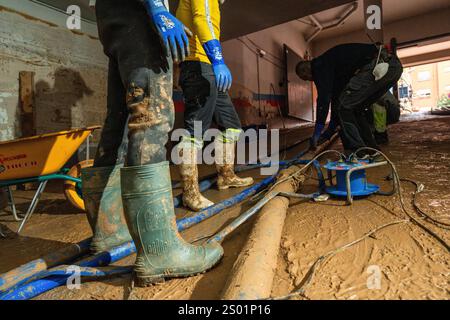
(215, 209)
(38, 287)
(27, 271)
(66, 271)
(253, 210)
(64, 255)
(182, 223)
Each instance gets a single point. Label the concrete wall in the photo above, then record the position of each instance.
(70, 74)
(410, 29)
(240, 55)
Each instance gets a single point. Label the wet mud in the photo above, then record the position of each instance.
(410, 263)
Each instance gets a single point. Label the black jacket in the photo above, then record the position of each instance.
(333, 70)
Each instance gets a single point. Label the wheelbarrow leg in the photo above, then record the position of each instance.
(33, 204)
(13, 205)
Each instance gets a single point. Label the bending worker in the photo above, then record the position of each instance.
(132, 199)
(345, 77)
(205, 80)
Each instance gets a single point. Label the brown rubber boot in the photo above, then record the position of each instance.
(192, 198)
(225, 154)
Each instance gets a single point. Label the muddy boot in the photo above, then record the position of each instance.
(161, 252)
(103, 202)
(192, 198)
(224, 155)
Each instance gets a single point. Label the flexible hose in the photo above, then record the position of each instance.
(400, 195)
(65, 255)
(37, 287)
(40, 286)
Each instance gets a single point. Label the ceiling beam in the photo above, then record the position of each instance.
(241, 17)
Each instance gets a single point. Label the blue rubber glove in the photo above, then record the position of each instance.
(223, 76)
(170, 29)
(316, 135)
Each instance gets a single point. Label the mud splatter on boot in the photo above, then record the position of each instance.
(192, 198)
(101, 194)
(161, 251)
(227, 178)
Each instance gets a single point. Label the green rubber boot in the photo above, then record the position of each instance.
(161, 251)
(103, 202)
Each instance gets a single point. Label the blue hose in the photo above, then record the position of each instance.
(215, 209)
(54, 280)
(70, 253)
(35, 288)
(64, 271)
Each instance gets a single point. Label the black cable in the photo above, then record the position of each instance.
(397, 184)
(420, 211)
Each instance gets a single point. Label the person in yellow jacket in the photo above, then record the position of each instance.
(205, 80)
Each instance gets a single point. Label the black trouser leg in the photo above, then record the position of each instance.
(112, 147)
(145, 71)
(203, 102)
(361, 92)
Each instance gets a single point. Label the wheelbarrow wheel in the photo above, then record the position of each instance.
(72, 190)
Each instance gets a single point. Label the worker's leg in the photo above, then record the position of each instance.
(225, 145)
(113, 141)
(392, 113)
(197, 82)
(333, 125)
(127, 35)
(362, 91)
(379, 119)
(101, 184)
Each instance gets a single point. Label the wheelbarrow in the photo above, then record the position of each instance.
(39, 159)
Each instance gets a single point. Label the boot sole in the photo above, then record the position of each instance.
(195, 209)
(234, 186)
(147, 281)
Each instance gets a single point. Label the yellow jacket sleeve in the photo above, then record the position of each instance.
(206, 19)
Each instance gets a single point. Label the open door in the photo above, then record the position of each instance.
(299, 92)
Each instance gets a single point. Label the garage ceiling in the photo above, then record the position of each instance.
(393, 10)
(240, 17)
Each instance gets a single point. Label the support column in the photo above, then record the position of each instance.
(373, 17)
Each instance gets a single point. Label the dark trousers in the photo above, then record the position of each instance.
(360, 93)
(140, 110)
(203, 102)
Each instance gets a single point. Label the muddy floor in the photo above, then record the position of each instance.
(398, 262)
(405, 261)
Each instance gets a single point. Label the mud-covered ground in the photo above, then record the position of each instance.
(399, 262)
(411, 264)
(56, 223)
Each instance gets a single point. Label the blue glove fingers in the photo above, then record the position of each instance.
(230, 81)
(173, 47)
(226, 84)
(181, 46)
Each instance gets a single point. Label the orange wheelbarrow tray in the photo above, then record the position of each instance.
(40, 159)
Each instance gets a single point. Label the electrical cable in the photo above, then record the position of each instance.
(419, 188)
(309, 275)
(397, 181)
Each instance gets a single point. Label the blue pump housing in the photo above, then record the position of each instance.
(358, 180)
